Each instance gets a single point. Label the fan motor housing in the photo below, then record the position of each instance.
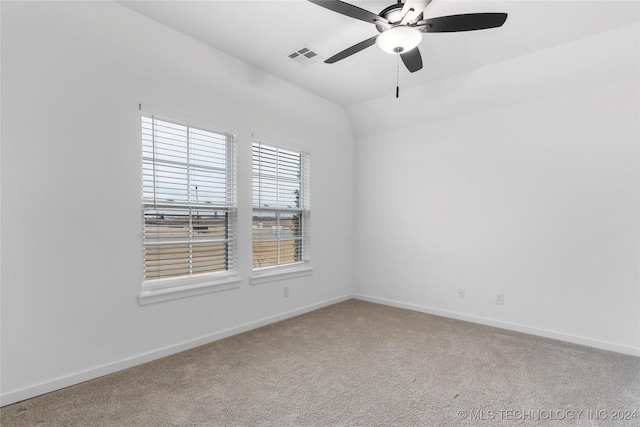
(392, 13)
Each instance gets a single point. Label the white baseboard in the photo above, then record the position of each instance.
(603, 345)
(119, 365)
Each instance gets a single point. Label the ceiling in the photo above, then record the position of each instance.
(264, 32)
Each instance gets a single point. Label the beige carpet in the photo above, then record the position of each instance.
(357, 364)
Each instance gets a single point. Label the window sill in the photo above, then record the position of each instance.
(279, 274)
(152, 296)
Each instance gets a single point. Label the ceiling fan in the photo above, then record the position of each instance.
(401, 26)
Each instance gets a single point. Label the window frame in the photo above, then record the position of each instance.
(302, 267)
(168, 288)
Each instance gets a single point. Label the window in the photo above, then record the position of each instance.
(280, 207)
(188, 202)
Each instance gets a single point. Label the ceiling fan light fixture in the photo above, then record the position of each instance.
(399, 39)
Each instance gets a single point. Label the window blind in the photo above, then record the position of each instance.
(188, 199)
(281, 206)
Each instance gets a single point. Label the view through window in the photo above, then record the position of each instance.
(188, 199)
(280, 206)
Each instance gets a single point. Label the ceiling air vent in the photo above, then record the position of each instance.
(304, 56)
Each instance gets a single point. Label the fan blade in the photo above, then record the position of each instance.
(351, 50)
(412, 59)
(412, 10)
(465, 22)
(349, 10)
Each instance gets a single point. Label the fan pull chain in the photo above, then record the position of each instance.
(398, 77)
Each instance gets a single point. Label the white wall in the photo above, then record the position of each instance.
(73, 75)
(534, 194)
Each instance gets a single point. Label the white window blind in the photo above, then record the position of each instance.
(188, 200)
(281, 206)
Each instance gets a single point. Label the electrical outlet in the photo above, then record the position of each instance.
(285, 292)
(460, 292)
(499, 298)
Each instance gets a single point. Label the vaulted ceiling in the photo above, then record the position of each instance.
(263, 33)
